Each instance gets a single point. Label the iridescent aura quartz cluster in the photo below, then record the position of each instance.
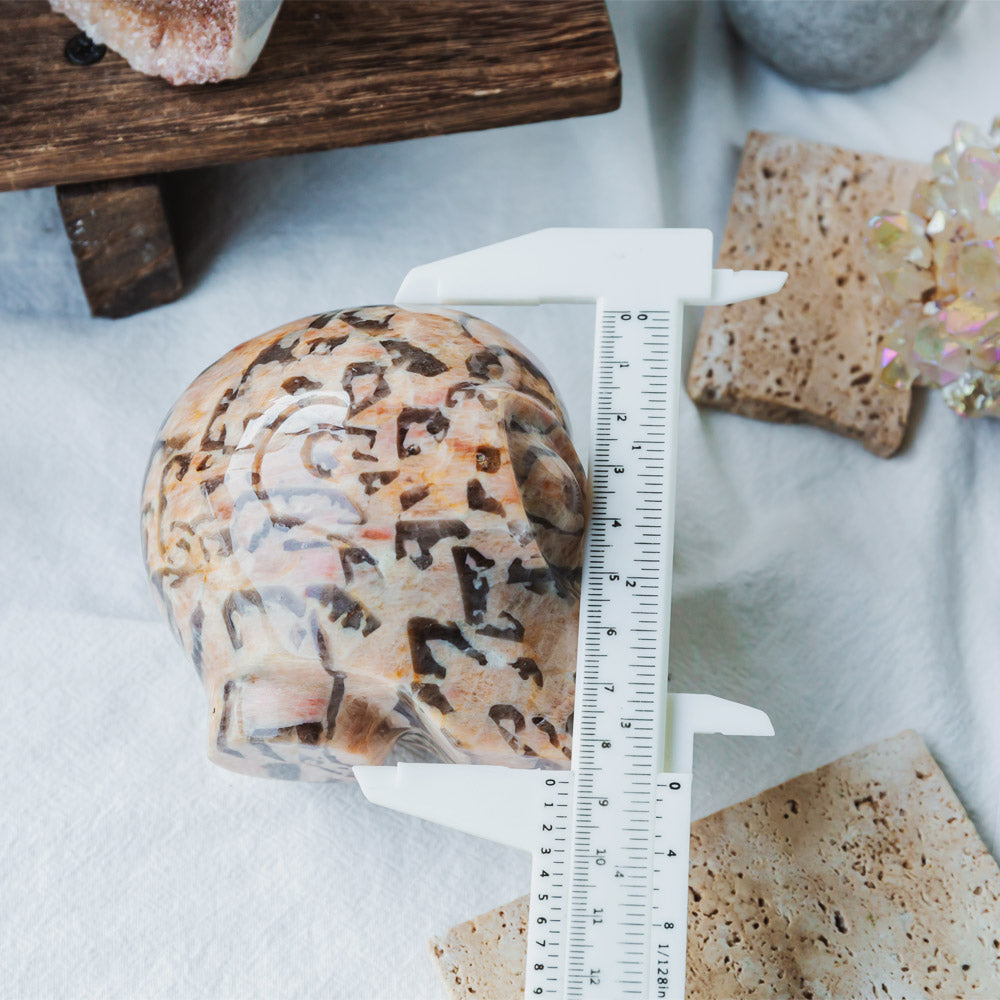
(939, 263)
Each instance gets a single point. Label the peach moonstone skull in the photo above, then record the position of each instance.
(366, 530)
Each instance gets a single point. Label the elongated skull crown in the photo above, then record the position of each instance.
(366, 530)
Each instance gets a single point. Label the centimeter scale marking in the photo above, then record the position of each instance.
(602, 926)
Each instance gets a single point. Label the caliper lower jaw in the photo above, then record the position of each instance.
(468, 797)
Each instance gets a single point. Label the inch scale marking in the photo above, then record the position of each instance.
(609, 839)
(622, 656)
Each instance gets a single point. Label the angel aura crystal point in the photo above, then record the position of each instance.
(902, 255)
(939, 263)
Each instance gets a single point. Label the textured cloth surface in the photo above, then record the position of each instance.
(848, 596)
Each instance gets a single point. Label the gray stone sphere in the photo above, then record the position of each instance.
(841, 44)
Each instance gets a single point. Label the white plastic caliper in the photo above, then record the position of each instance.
(609, 838)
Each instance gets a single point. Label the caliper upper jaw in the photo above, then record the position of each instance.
(585, 265)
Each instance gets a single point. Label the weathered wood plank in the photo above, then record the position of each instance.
(334, 73)
(121, 241)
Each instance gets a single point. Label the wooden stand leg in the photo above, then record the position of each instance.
(121, 240)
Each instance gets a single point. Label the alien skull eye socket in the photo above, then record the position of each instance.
(550, 480)
(367, 532)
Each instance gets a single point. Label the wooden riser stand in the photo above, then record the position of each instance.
(121, 240)
(333, 73)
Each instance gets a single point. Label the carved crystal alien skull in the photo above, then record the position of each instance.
(366, 530)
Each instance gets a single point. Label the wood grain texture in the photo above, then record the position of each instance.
(334, 73)
(121, 241)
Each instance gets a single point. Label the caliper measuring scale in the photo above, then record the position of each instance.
(610, 837)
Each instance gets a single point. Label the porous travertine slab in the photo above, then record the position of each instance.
(864, 878)
(806, 355)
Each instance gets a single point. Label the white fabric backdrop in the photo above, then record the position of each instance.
(848, 596)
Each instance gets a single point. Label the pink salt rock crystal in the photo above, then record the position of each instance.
(184, 41)
(366, 530)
